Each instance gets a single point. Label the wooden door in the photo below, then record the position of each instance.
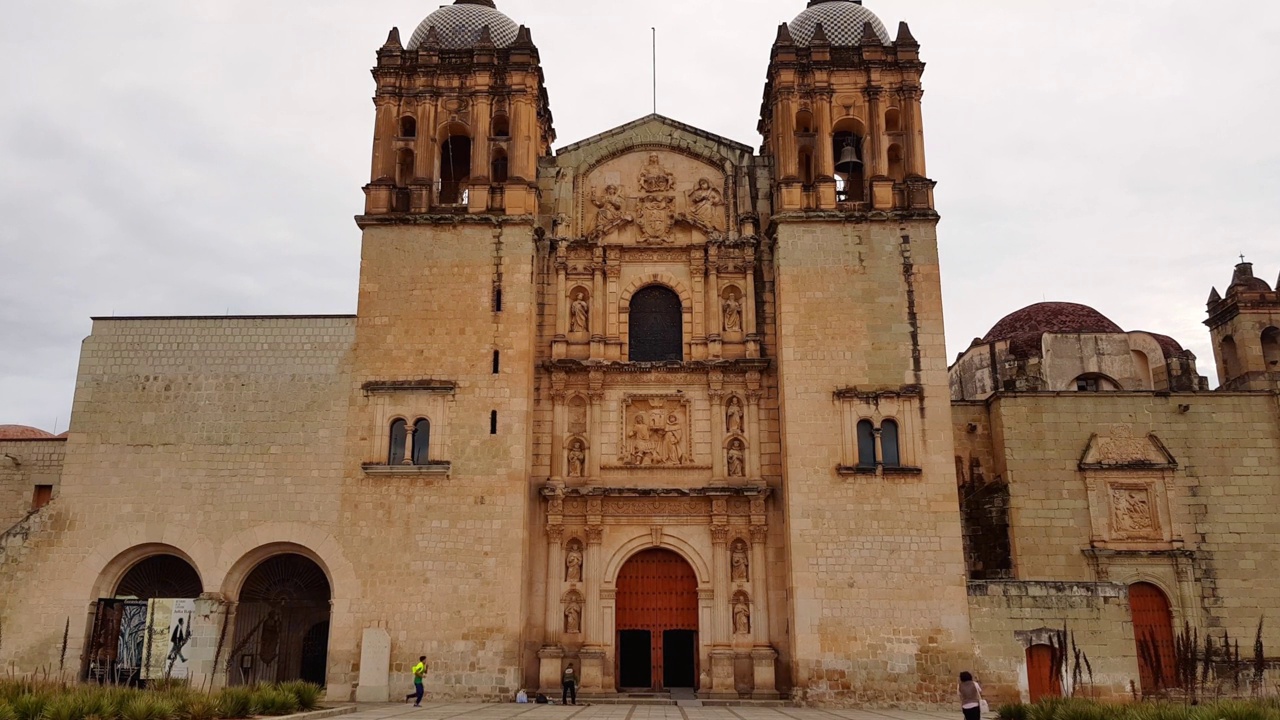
(657, 592)
(1042, 681)
(1153, 633)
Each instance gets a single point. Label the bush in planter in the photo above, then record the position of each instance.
(236, 703)
(6, 711)
(30, 706)
(307, 694)
(275, 701)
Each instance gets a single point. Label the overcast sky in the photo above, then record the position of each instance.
(173, 157)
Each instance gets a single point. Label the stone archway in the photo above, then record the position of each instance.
(657, 622)
(282, 622)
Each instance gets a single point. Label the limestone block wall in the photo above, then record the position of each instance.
(209, 438)
(442, 556)
(24, 464)
(859, 308)
(1220, 496)
(1008, 617)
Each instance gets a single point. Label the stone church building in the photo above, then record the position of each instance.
(656, 405)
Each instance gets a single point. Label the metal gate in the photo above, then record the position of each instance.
(658, 593)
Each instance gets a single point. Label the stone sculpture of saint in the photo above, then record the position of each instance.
(572, 620)
(579, 313)
(674, 454)
(738, 563)
(741, 618)
(654, 177)
(573, 564)
(641, 444)
(732, 314)
(610, 212)
(704, 202)
(733, 416)
(737, 460)
(577, 459)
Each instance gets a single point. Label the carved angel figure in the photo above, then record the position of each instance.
(579, 313)
(732, 314)
(704, 204)
(611, 210)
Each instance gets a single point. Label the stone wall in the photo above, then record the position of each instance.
(24, 464)
(859, 320)
(214, 439)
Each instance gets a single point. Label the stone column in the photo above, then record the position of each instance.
(759, 586)
(560, 343)
(753, 427)
(718, 470)
(596, 416)
(559, 423)
(715, 315)
(749, 302)
(555, 577)
(874, 161)
(409, 431)
(592, 654)
(598, 305)
(722, 665)
(385, 124)
(914, 124)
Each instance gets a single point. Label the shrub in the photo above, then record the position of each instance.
(1013, 711)
(307, 694)
(235, 703)
(6, 711)
(30, 706)
(275, 701)
(198, 707)
(68, 706)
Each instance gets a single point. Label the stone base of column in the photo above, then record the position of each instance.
(723, 686)
(550, 667)
(763, 663)
(592, 670)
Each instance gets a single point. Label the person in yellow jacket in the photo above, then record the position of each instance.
(419, 672)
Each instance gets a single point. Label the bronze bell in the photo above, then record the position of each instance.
(848, 162)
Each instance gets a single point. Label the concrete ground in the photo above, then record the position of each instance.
(510, 711)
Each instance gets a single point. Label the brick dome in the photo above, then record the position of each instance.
(23, 432)
(1024, 328)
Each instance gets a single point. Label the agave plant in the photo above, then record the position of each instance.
(307, 694)
(235, 703)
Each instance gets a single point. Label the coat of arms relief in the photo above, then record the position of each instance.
(656, 206)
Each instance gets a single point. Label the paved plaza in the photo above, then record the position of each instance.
(508, 711)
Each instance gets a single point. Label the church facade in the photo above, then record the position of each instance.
(655, 406)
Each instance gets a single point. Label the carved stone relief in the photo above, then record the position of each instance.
(649, 212)
(573, 613)
(656, 432)
(732, 307)
(704, 207)
(580, 313)
(578, 416)
(736, 458)
(739, 565)
(573, 562)
(733, 415)
(1132, 511)
(577, 458)
(741, 613)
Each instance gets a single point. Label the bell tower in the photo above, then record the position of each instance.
(863, 391)
(1245, 327)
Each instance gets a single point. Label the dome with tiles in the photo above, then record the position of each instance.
(459, 25)
(23, 432)
(842, 22)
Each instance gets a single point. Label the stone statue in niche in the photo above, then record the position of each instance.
(704, 208)
(741, 615)
(577, 459)
(739, 566)
(737, 456)
(573, 562)
(732, 313)
(579, 313)
(610, 212)
(573, 619)
(657, 433)
(1131, 511)
(733, 416)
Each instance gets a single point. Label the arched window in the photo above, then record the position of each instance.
(846, 146)
(897, 168)
(889, 451)
(455, 169)
(1271, 349)
(408, 126)
(399, 433)
(501, 126)
(1093, 382)
(498, 168)
(893, 120)
(656, 326)
(866, 444)
(1230, 359)
(804, 121)
(422, 442)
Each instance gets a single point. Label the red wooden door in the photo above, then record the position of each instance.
(1153, 633)
(657, 591)
(1042, 681)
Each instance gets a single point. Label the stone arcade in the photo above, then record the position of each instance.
(654, 406)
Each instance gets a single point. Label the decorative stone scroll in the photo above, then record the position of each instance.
(656, 432)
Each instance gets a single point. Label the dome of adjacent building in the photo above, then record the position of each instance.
(459, 25)
(842, 21)
(23, 432)
(1051, 317)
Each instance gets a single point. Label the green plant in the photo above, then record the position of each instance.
(198, 707)
(30, 706)
(275, 701)
(307, 694)
(140, 707)
(6, 712)
(68, 706)
(1012, 711)
(235, 703)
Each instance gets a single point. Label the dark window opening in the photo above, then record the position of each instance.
(499, 173)
(893, 120)
(493, 422)
(1271, 349)
(399, 436)
(1087, 384)
(850, 167)
(656, 326)
(501, 126)
(866, 444)
(497, 359)
(42, 496)
(889, 449)
(897, 169)
(497, 299)
(422, 442)
(408, 126)
(455, 169)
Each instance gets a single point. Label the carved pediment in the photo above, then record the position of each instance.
(1118, 448)
(653, 198)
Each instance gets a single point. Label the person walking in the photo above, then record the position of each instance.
(569, 687)
(419, 672)
(970, 697)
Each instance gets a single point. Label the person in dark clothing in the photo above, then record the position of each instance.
(970, 697)
(569, 687)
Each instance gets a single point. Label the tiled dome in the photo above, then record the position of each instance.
(1052, 317)
(23, 432)
(459, 25)
(842, 21)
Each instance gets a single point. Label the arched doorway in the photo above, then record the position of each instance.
(1042, 680)
(159, 576)
(657, 622)
(282, 623)
(117, 648)
(656, 326)
(1153, 633)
